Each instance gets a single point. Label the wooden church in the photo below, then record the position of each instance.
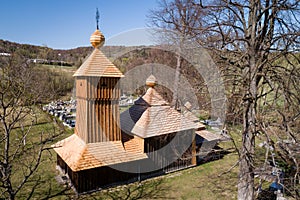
(108, 148)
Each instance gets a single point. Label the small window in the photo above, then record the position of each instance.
(103, 85)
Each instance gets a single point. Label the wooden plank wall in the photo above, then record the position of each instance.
(163, 158)
(81, 108)
(98, 177)
(107, 114)
(97, 115)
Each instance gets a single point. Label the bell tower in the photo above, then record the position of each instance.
(97, 93)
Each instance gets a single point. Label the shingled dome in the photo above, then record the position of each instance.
(97, 64)
(152, 116)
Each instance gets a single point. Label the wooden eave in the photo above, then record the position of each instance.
(80, 156)
(209, 136)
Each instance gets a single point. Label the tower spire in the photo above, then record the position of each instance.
(97, 18)
(97, 39)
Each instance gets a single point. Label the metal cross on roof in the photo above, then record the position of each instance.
(97, 18)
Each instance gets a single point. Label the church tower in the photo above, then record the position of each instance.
(98, 154)
(97, 93)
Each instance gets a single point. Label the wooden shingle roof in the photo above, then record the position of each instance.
(80, 156)
(151, 98)
(152, 116)
(209, 136)
(97, 64)
(133, 143)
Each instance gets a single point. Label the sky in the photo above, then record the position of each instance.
(65, 24)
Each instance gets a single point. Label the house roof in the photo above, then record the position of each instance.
(209, 136)
(132, 143)
(98, 65)
(81, 156)
(151, 98)
(152, 116)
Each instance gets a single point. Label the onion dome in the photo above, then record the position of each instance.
(151, 81)
(97, 39)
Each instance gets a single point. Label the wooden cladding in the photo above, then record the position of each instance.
(93, 179)
(97, 115)
(81, 128)
(106, 121)
(172, 151)
(81, 91)
(97, 88)
(108, 88)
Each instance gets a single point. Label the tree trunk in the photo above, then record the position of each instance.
(246, 175)
(176, 82)
(6, 165)
(11, 196)
(246, 165)
(246, 172)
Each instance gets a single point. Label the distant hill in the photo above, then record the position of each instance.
(135, 56)
(72, 56)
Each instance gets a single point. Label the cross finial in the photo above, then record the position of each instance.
(97, 18)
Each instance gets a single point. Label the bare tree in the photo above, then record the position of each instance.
(177, 19)
(258, 43)
(21, 148)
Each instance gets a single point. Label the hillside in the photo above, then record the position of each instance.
(72, 56)
(135, 56)
(57, 82)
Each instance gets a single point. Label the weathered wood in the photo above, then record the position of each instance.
(92, 179)
(97, 109)
(170, 160)
(194, 158)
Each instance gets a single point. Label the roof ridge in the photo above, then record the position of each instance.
(153, 98)
(97, 64)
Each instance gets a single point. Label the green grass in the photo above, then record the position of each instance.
(56, 68)
(201, 182)
(209, 181)
(206, 181)
(43, 180)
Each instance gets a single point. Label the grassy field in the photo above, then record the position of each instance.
(43, 180)
(212, 180)
(209, 181)
(205, 181)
